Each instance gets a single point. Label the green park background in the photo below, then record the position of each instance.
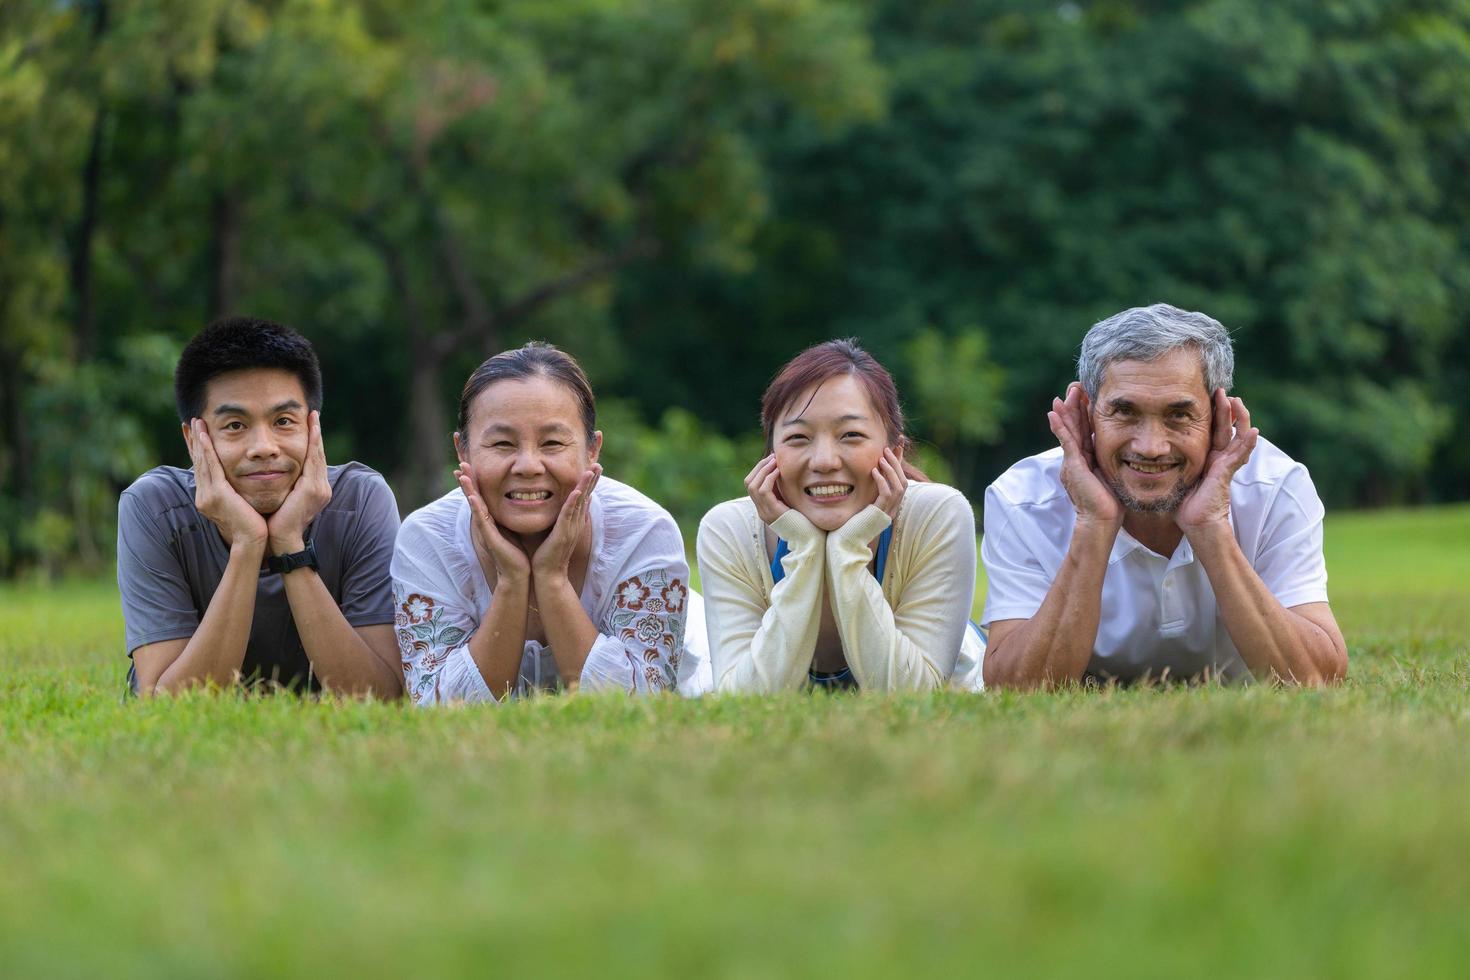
(684, 193)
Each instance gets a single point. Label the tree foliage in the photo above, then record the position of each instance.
(685, 192)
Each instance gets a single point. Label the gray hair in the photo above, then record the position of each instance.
(1146, 333)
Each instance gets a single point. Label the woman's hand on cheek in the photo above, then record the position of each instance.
(761, 484)
(554, 556)
(891, 483)
(500, 559)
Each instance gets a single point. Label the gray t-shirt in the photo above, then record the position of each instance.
(171, 558)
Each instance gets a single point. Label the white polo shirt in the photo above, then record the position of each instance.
(1158, 612)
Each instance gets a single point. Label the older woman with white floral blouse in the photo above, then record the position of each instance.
(538, 573)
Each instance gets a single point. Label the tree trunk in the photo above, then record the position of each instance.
(423, 469)
(13, 425)
(86, 229)
(224, 254)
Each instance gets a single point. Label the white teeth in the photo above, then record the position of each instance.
(828, 491)
(529, 495)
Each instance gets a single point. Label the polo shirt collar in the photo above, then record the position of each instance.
(1125, 544)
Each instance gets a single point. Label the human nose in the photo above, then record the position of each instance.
(1151, 439)
(263, 443)
(527, 463)
(825, 457)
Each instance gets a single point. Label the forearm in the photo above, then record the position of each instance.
(339, 656)
(880, 655)
(216, 652)
(756, 647)
(1273, 641)
(569, 631)
(499, 643)
(1055, 645)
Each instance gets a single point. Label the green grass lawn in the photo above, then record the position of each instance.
(1239, 832)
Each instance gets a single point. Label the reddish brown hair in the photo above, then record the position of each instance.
(824, 361)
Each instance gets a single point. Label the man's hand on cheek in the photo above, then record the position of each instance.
(216, 499)
(1093, 499)
(1231, 443)
(311, 493)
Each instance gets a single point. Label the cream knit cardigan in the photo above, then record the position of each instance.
(906, 633)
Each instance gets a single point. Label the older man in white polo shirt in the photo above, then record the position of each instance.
(1164, 538)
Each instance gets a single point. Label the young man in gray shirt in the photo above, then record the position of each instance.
(260, 564)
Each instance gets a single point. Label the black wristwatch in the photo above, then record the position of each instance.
(281, 564)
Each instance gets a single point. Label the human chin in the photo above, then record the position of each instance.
(1162, 499)
(264, 492)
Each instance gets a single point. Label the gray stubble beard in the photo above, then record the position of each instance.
(1164, 505)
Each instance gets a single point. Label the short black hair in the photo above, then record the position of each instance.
(238, 343)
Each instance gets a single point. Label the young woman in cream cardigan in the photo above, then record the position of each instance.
(843, 566)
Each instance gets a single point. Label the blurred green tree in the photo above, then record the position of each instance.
(417, 187)
(470, 173)
(956, 391)
(685, 192)
(1292, 167)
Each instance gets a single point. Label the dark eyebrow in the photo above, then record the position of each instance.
(286, 406)
(1114, 404)
(838, 421)
(497, 428)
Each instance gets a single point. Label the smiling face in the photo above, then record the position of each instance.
(827, 442)
(257, 420)
(525, 448)
(1152, 422)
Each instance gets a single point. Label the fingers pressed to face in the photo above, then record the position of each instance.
(894, 467)
(316, 452)
(758, 472)
(196, 448)
(203, 472)
(767, 492)
(768, 482)
(1222, 410)
(1063, 432)
(880, 477)
(1245, 435)
(468, 489)
(206, 451)
(1072, 413)
(1241, 414)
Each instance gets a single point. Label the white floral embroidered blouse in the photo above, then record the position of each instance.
(636, 591)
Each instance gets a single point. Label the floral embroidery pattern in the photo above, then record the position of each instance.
(648, 618)
(417, 608)
(632, 593)
(675, 595)
(424, 642)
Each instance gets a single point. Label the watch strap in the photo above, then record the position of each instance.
(283, 564)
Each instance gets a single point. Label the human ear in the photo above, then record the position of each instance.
(594, 448)
(459, 451)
